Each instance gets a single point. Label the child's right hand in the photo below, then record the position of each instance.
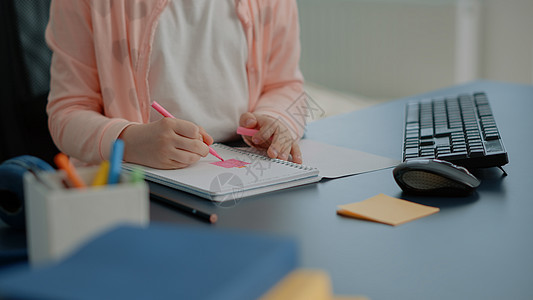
(165, 144)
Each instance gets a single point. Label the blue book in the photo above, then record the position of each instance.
(160, 262)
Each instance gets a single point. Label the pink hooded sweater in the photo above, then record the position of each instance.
(100, 63)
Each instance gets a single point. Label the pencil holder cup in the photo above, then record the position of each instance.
(59, 219)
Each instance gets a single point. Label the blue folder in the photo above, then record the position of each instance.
(160, 262)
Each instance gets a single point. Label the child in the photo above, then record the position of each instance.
(214, 64)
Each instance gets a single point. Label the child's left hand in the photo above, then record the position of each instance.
(273, 135)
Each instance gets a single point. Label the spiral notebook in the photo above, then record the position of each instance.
(242, 174)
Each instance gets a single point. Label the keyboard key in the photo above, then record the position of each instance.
(457, 149)
(426, 142)
(492, 136)
(443, 149)
(412, 113)
(447, 131)
(410, 135)
(442, 142)
(452, 156)
(411, 151)
(493, 146)
(476, 153)
(426, 132)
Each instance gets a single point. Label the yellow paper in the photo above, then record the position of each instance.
(302, 285)
(385, 209)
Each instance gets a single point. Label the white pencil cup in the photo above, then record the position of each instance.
(59, 220)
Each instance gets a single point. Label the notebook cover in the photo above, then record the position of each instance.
(160, 262)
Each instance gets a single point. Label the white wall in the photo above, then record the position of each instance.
(396, 48)
(507, 40)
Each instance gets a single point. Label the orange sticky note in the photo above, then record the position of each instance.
(385, 209)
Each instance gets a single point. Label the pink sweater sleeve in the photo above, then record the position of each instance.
(76, 114)
(282, 94)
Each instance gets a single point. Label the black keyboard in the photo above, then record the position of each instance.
(461, 130)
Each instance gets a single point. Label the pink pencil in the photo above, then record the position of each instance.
(165, 113)
(246, 131)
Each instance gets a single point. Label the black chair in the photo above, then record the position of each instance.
(25, 77)
(24, 86)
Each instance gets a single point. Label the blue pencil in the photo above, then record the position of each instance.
(115, 163)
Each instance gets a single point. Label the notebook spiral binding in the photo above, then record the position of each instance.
(261, 154)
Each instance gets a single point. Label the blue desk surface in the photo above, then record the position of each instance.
(479, 247)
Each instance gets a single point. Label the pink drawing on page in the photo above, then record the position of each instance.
(230, 163)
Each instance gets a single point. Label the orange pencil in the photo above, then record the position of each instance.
(62, 161)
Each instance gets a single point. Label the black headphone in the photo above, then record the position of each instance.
(12, 187)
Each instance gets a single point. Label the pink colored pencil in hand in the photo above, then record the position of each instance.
(165, 113)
